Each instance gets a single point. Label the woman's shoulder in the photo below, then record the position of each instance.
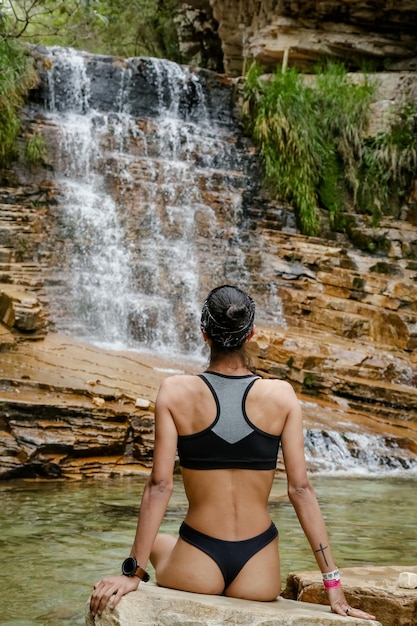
(276, 384)
(180, 393)
(177, 382)
(277, 390)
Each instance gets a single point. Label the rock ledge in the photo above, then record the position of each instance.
(157, 606)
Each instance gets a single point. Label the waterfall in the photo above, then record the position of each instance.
(152, 184)
(351, 453)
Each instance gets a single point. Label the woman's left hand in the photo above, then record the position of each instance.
(341, 606)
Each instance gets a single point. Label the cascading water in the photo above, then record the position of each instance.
(99, 259)
(333, 452)
(152, 190)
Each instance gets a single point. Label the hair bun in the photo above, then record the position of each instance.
(236, 312)
(227, 316)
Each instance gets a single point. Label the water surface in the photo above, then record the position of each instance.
(58, 538)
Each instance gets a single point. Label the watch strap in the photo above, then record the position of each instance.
(141, 574)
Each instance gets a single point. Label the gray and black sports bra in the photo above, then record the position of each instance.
(231, 441)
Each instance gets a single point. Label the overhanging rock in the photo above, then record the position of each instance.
(156, 606)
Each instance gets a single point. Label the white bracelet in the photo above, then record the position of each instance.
(334, 575)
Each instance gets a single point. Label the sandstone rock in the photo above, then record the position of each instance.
(355, 371)
(198, 39)
(337, 289)
(21, 310)
(344, 332)
(141, 403)
(307, 31)
(373, 589)
(51, 428)
(6, 338)
(45, 439)
(98, 401)
(157, 606)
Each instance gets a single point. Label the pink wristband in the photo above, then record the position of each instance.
(330, 584)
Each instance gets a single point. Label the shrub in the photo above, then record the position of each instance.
(312, 138)
(17, 76)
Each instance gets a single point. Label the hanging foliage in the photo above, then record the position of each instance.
(17, 76)
(312, 138)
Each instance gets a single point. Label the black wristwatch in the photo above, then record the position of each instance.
(130, 567)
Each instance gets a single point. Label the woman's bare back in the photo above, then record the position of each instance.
(230, 504)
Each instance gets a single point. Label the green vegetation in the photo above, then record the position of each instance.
(35, 150)
(308, 381)
(117, 27)
(17, 76)
(312, 137)
(389, 164)
(277, 113)
(311, 130)
(134, 28)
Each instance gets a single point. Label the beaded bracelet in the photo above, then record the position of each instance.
(334, 575)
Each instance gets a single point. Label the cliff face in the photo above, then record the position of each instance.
(379, 33)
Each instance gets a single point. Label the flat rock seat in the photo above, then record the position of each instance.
(156, 606)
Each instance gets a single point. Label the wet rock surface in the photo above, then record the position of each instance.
(72, 410)
(69, 410)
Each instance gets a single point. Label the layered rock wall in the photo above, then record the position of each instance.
(357, 33)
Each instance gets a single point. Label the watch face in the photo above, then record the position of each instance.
(129, 566)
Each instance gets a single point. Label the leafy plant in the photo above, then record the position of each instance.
(17, 76)
(35, 149)
(278, 112)
(312, 137)
(343, 110)
(36, 20)
(389, 164)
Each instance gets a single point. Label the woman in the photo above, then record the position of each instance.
(227, 425)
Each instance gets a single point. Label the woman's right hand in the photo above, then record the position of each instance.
(341, 606)
(115, 585)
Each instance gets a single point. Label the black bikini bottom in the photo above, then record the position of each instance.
(230, 556)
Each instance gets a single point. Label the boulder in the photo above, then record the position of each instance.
(21, 311)
(373, 589)
(156, 606)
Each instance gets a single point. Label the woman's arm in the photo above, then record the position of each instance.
(155, 498)
(304, 501)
